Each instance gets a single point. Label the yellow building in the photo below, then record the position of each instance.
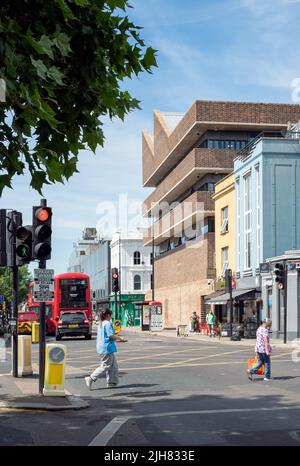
(224, 225)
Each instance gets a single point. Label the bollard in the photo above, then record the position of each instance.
(117, 326)
(24, 355)
(35, 332)
(55, 361)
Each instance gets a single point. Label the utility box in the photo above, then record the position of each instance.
(35, 332)
(24, 355)
(55, 362)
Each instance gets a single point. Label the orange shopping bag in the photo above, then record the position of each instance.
(252, 362)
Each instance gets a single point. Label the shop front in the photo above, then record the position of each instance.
(246, 310)
(126, 308)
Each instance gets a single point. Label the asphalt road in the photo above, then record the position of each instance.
(172, 392)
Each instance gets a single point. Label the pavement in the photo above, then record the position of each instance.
(205, 338)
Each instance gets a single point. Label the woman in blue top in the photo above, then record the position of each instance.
(107, 348)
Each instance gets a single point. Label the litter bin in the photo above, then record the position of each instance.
(182, 330)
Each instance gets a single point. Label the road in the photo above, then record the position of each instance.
(172, 392)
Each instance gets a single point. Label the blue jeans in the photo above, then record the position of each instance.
(263, 359)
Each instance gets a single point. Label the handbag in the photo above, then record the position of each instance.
(252, 362)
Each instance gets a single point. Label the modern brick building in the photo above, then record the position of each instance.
(183, 159)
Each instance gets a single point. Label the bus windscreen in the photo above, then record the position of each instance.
(73, 293)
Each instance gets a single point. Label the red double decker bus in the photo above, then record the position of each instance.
(71, 293)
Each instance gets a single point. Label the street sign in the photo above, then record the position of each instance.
(43, 289)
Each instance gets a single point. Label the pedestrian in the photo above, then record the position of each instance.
(210, 320)
(263, 350)
(194, 322)
(107, 348)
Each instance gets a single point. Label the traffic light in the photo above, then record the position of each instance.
(279, 275)
(115, 280)
(23, 245)
(228, 280)
(41, 232)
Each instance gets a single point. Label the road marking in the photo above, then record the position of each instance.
(151, 356)
(115, 424)
(109, 431)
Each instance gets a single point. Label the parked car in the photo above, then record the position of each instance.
(73, 324)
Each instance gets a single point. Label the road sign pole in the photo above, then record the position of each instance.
(15, 273)
(42, 339)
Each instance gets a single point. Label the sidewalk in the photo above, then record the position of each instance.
(199, 337)
(23, 393)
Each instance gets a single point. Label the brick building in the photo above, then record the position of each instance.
(183, 159)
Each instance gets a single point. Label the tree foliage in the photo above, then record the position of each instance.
(6, 283)
(64, 63)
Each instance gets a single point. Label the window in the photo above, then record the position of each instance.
(137, 258)
(257, 216)
(224, 215)
(137, 282)
(225, 259)
(247, 220)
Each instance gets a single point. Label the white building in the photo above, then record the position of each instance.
(133, 260)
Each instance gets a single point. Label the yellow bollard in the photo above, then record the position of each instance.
(117, 326)
(24, 355)
(35, 332)
(54, 384)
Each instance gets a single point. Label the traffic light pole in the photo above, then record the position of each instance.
(42, 333)
(15, 273)
(285, 304)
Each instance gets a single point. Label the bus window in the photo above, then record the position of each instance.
(73, 293)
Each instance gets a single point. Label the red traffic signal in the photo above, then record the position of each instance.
(43, 214)
(115, 275)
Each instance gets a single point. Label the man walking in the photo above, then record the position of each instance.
(263, 350)
(107, 348)
(210, 320)
(194, 322)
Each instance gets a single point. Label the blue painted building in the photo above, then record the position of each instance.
(267, 187)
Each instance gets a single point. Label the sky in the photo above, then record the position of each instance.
(241, 50)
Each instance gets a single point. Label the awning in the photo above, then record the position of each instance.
(223, 298)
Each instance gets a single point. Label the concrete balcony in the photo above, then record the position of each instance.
(197, 164)
(178, 220)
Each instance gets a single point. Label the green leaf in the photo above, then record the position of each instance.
(46, 45)
(41, 69)
(67, 12)
(149, 59)
(62, 42)
(55, 74)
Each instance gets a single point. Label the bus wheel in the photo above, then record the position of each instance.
(57, 337)
(88, 337)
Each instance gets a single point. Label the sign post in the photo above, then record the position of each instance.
(43, 291)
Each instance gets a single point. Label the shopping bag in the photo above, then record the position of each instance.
(252, 362)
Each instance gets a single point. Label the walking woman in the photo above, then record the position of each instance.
(107, 348)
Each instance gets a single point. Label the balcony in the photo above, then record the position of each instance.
(197, 164)
(192, 210)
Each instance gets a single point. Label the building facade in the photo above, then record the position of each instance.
(183, 159)
(91, 255)
(134, 263)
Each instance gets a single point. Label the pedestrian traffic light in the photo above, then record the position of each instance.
(115, 280)
(41, 232)
(279, 275)
(23, 245)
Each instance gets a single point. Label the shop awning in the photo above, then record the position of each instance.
(223, 298)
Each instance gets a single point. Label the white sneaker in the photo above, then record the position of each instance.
(267, 378)
(88, 382)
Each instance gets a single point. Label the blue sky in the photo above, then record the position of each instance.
(244, 50)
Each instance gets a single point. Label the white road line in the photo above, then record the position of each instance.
(109, 431)
(115, 424)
